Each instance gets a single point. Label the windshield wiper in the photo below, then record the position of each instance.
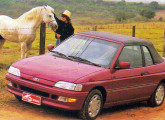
(83, 60)
(61, 54)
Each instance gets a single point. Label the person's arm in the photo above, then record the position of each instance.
(58, 36)
(56, 18)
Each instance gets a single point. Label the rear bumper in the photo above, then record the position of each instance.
(48, 94)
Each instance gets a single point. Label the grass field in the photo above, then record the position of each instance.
(153, 32)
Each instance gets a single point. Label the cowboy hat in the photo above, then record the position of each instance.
(67, 13)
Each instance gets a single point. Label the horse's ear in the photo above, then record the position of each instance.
(52, 11)
(45, 7)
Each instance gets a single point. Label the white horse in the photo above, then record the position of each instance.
(23, 29)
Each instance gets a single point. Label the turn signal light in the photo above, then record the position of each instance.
(72, 100)
(9, 83)
(65, 99)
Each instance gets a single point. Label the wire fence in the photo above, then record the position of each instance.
(154, 32)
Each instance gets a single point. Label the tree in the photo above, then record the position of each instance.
(154, 5)
(120, 16)
(147, 13)
(161, 19)
(122, 2)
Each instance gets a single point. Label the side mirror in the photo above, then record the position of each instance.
(124, 65)
(50, 47)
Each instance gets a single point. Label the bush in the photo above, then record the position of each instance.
(147, 13)
(120, 16)
(154, 5)
(161, 19)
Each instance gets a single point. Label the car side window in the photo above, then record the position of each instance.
(133, 55)
(147, 56)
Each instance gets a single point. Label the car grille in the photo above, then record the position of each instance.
(37, 92)
(33, 91)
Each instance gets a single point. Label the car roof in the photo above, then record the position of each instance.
(126, 40)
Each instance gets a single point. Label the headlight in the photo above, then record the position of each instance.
(68, 86)
(14, 71)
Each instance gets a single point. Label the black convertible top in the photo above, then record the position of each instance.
(126, 40)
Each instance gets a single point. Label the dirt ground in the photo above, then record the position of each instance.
(11, 109)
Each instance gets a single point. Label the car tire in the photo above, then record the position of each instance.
(92, 105)
(18, 98)
(157, 97)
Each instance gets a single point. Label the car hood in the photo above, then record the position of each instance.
(54, 68)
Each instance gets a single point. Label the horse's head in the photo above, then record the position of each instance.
(48, 16)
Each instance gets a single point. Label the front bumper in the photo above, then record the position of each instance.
(48, 94)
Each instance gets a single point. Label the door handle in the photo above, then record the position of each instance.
(144, 73)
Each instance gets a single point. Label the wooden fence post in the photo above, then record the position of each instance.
(164, 45)
(95, 28)
(42, 38)
(133, 31)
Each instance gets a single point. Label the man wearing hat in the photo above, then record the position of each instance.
(65, 28)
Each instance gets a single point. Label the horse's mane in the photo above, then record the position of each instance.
(29, 15)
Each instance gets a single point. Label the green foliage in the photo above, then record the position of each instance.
(120, 16)
(147, 13)
(161, 19)
(154, 5)
(90, 10)
(122, 2)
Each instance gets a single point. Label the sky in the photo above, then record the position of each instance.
(147, 1)
(144, 1)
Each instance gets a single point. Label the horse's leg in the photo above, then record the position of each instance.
(23, 49)
(28, 49)
(2, 41)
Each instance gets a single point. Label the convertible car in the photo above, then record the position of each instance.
(90, 71)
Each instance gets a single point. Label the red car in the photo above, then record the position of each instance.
(89, 71)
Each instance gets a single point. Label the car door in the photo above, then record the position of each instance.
(151, 73)
(127, 84)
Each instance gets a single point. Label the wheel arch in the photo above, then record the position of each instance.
(163, 81)
(154, 99)
(103, 91)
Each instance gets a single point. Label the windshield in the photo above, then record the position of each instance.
(92, 50)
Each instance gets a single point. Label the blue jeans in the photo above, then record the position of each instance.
(57, 42)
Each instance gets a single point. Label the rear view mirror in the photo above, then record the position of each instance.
(50, 47)
(124, 65)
